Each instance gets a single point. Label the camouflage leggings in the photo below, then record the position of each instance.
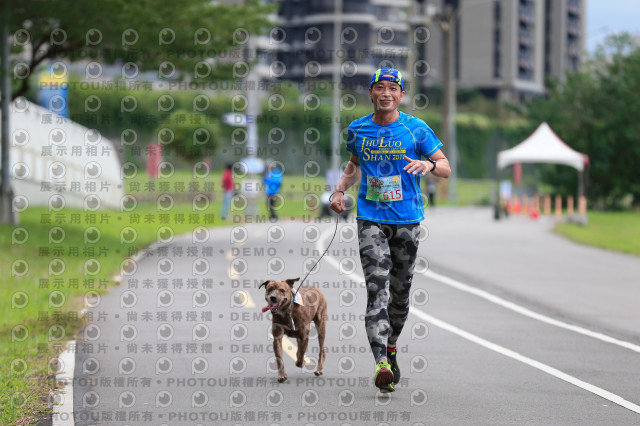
(387, 254)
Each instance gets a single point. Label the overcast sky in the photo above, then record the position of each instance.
(606, 17)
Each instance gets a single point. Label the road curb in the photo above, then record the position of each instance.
(63, 402)
(62, 406)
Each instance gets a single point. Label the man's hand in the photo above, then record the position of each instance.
(337, 202)
(417, 166)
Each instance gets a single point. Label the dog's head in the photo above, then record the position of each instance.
(278, 294)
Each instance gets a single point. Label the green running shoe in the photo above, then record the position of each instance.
(391, 356)
(384, 377)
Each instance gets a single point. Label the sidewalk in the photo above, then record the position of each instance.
(523, 260)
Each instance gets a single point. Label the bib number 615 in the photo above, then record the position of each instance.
(392, 195)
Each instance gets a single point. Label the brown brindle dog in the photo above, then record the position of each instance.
(294, 319)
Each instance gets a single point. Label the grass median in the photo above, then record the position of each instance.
(617, 231)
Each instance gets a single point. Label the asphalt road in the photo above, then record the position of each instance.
(510, 325)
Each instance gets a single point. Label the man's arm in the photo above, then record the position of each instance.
(442, 169)
(350, 176)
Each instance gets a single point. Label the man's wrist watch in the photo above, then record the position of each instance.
(432, 161)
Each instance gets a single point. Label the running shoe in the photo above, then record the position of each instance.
(391, 356)
(384, 377)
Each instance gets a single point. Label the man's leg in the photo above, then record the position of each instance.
(374, 256)
(403, 247)
(376, 261)
(271, 201)
(226, 203)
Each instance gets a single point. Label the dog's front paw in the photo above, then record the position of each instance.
(318, 373)
(282, 379)
(300, 363)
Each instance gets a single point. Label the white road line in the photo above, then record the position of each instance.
(291, 349)
(513, 306)
(529, 313)
(249, 303)
(500, 349)
(526, 360)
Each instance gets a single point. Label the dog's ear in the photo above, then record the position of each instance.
(292, 281)
(264, 284)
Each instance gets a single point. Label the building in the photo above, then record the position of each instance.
(374, 34)
(504, 48)
(508, 48)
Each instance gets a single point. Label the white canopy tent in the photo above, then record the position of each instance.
(544, 146)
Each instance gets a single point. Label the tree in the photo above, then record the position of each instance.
(190, 135)
(179, 39)
(595, 111)
(176, 38)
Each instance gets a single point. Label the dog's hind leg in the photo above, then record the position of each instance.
(320, 321)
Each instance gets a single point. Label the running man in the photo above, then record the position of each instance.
(390, 151)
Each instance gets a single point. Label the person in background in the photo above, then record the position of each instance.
(390, 151)
(227, 187)
(432, 187)
(272, 180)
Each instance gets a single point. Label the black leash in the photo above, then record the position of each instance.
(335, 231)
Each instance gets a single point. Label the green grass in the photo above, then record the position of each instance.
(619, 231)
(469, 192)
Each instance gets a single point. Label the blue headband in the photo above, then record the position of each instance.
(387, 74)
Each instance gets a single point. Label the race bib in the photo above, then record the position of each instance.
(384, 189)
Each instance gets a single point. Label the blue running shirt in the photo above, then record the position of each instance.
(388, 194)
